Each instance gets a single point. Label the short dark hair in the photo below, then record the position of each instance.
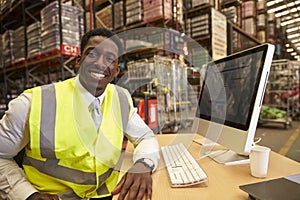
(101, 32)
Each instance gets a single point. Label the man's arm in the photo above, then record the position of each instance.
(144, 140)
(13, 182)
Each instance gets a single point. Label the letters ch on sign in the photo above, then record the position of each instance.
(71, 50)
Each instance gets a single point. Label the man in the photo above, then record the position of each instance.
(67, 154)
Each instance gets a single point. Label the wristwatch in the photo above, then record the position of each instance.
(147, 162)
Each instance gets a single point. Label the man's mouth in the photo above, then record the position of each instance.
(97, 75)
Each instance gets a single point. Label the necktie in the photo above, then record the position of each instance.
(96, 112)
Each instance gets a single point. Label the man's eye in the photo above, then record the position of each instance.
(92, 54)
(110, 59)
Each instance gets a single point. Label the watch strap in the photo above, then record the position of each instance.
(142, 160)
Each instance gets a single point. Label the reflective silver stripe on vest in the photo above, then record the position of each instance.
(102, 190)
(125, 108)
(51, 168)
(47, 144)
(48, 113)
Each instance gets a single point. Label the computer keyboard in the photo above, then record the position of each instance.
(182, 168)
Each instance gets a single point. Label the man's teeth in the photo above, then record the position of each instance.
(97, 75)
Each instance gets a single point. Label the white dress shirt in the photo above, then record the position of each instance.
(13, 138)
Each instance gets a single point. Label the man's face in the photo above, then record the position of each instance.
(98, 64)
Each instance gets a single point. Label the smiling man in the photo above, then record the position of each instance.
(68, 155)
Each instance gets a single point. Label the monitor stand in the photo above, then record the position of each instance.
(224, 156)
(228, 157)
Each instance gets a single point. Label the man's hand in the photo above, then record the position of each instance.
(136, 183)
(39, 196)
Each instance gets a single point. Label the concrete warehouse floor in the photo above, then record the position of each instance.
(285, 141)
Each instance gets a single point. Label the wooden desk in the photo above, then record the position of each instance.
(223, 181)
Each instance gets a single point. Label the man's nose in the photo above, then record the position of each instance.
(100, 61)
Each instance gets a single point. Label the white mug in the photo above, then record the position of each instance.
(259, 161)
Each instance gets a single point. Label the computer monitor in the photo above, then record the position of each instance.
(230, 101)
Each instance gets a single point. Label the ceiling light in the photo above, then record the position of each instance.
(289, 50)
(293, 53)
(286, 12)
(295, 41)
(293, 35)
(292, 29)
(271, 3)
(290, 21)
(276, 9)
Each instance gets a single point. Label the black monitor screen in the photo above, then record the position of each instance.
(229, 88)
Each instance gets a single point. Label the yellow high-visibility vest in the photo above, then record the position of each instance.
(66, 155)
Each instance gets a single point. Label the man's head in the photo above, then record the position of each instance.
(100, 49)
(101, 32)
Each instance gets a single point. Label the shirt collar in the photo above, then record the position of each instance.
(88, 97)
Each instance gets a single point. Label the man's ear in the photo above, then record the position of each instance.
(117, 71)
(78, 60)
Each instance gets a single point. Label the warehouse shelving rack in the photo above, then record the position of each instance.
(44, 68)
(282, 92)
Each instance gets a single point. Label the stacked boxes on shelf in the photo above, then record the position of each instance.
(104, 17)
(19, 44)
(34, 42)
(176, 42)
(200, 25)
(199, 58)
(134, 11)
(188, 29)
(71, 29)
(154, 9)
(261, 20)
(248, 17)
(261, 34)
(118, 15)
(233, 14)
(157, 37)
(271, 28)
(139, 38)
(7, 45)
(166, 39)
(169, 40)
(140, 69)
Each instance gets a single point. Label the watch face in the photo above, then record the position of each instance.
(149, 162)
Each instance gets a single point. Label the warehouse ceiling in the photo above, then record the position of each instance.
(287, 12)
